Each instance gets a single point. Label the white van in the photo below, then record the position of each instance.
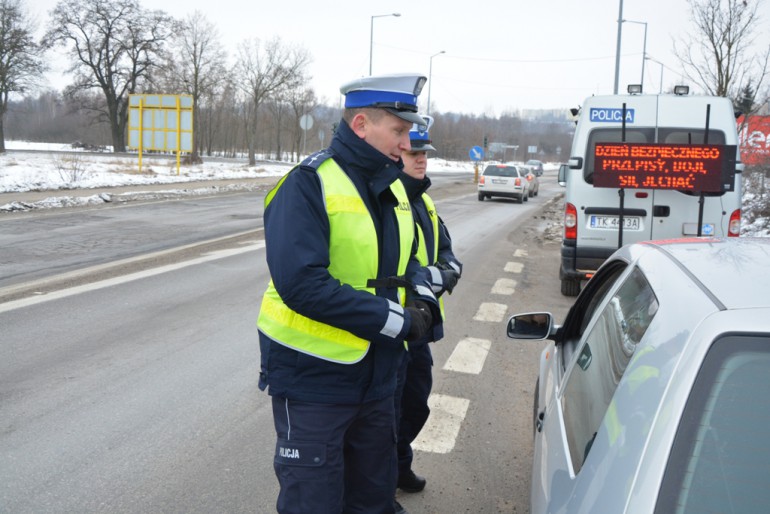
(591, 214)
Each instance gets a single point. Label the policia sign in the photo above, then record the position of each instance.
(695, 168)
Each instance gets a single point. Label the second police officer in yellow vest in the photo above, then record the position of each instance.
(346, 291)
(435, 251)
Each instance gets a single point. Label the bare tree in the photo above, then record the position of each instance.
(261, 71)
(114, 45)
(20, 56)
(721, 55)
(302, 101)
(197, 67)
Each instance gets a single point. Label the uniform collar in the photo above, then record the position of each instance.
(414, 186)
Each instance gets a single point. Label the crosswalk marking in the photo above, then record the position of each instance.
(494, 312)
(468, 356)
(520, 253)
(514, 267)
(440, 431)
(504, 286)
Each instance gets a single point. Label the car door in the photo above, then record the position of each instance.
(597, 341)
(551, 473)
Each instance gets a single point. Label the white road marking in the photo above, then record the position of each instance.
(494, 312)
(64, 293)
(504, 286)
(440, 431)
(514, 267)
(468, 356)
(520, 253)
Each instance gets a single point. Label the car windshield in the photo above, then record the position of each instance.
(720, 461)
(501, 171)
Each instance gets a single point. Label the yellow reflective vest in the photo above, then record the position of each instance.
(351, 226)
(422, 245)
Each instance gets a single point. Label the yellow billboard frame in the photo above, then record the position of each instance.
(160, 122)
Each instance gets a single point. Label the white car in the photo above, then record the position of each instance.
(504, 180)
(654, 396)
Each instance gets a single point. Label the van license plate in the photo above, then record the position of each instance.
(612, 222)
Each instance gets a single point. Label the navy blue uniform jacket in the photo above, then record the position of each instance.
(414, 189)
(297, 247)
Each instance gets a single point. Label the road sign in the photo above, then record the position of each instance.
(306, 122)
(476, 153)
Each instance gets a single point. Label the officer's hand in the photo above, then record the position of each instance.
(450, 278)
(442, 279)
(421, 320)
(456, 265)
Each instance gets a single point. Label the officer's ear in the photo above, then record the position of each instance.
(358, 124)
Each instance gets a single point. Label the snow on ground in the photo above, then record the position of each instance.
(64, 168)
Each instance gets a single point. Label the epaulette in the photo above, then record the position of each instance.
(313, 161)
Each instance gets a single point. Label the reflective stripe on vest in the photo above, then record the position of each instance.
(350, 226)
(422, 246)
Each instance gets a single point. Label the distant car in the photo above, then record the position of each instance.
(534, 181)
(504, 180)
(654, 396)
(537, 166)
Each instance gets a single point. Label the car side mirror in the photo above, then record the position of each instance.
(562, 179)
(533, 325)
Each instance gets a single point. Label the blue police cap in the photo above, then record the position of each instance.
(419, 137)
(397, 94)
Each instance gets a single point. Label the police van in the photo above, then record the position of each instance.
(652, 125)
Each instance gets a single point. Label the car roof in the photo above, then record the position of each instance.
(736, 271)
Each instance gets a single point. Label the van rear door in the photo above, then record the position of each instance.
(682, 120)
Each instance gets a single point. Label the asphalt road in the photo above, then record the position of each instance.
(130, 385)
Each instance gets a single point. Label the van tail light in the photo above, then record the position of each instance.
(517, 181)
(734, 228)
(481, 180)
(570, 221)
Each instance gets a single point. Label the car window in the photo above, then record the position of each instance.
(501, 171)
(720, 459)
(602, 358)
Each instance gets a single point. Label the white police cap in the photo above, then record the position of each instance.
(419, 137)
(397, 94)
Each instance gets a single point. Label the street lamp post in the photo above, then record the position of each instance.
(430, 74)
(644, 51)
(617, 49)
(371, 35)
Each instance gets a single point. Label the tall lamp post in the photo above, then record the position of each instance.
(430, 74)
(617, 49)
(371, 35)
(644, 51)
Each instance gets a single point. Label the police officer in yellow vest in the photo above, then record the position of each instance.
(435, 251)
(346, 291)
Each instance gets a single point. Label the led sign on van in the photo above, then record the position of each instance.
(697, 168)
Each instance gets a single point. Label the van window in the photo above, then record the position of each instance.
(687, 136)
(613, 135)
(601, 361)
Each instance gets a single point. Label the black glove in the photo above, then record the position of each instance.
(457, 266)
(442, 279)
(422, 320)
(450, 278)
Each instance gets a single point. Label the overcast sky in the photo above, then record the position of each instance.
(501, 55)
